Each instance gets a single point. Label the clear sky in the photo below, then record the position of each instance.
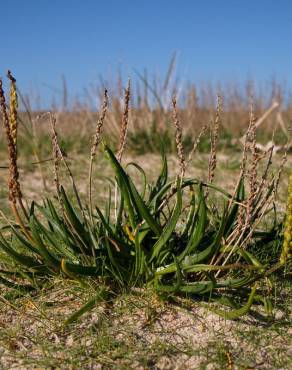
(215, 40)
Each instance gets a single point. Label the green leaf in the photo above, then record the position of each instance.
(250, 258)
(128, 189)
(169, 228)
(74, 219)
(101, 295)
(190, 221)
(198, 233)
(48, 257)
(21, 258)
(109, 229)
(143, 209)
(123, 183)
(193, 259)
(201, 287)
(162, 178)
(235, 314)
(144, 178)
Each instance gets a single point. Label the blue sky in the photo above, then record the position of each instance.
(214, 40)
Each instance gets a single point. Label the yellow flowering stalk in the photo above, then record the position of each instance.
(287, 245)
(13, 105)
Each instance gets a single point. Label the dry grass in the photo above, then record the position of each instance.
(150, 116)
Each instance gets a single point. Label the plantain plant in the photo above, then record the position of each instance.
(177, 235)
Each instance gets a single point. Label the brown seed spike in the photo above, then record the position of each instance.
(3, 109)
(13, 105)
(214, 141)
(96, 141)
(97, 135)
(178, 138)
(13, 182)
(125, 121)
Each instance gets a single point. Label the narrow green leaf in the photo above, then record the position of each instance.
(144, 177)
(48, 257)
(201, 287)
(123, 183)
(129, 189)
(235, 314)
(74, 219)
(21, 258)
(169, 228)
(198, 233)
(101, 295)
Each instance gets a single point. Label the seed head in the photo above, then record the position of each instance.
(13, 105)
(97, 135)
(178, 138)
(125, 121)
(13, 181)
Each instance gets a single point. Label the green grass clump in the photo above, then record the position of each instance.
(177, 235)
(145, 241)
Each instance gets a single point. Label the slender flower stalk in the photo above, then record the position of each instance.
(56, 155)
(13, 183)
(287, 244)
(178, 138)
(123, 134)
(125, 121)
(13, 105)
(214, 141)
(10, 127)
(98, 130)
(96, 141)
(254, 154)
(62, 155)
(196, 143)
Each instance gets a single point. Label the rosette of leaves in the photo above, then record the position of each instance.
(167, 234)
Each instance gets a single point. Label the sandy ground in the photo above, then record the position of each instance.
(137, 331)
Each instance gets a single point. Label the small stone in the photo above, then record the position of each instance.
(279, 315)
(70, 341)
